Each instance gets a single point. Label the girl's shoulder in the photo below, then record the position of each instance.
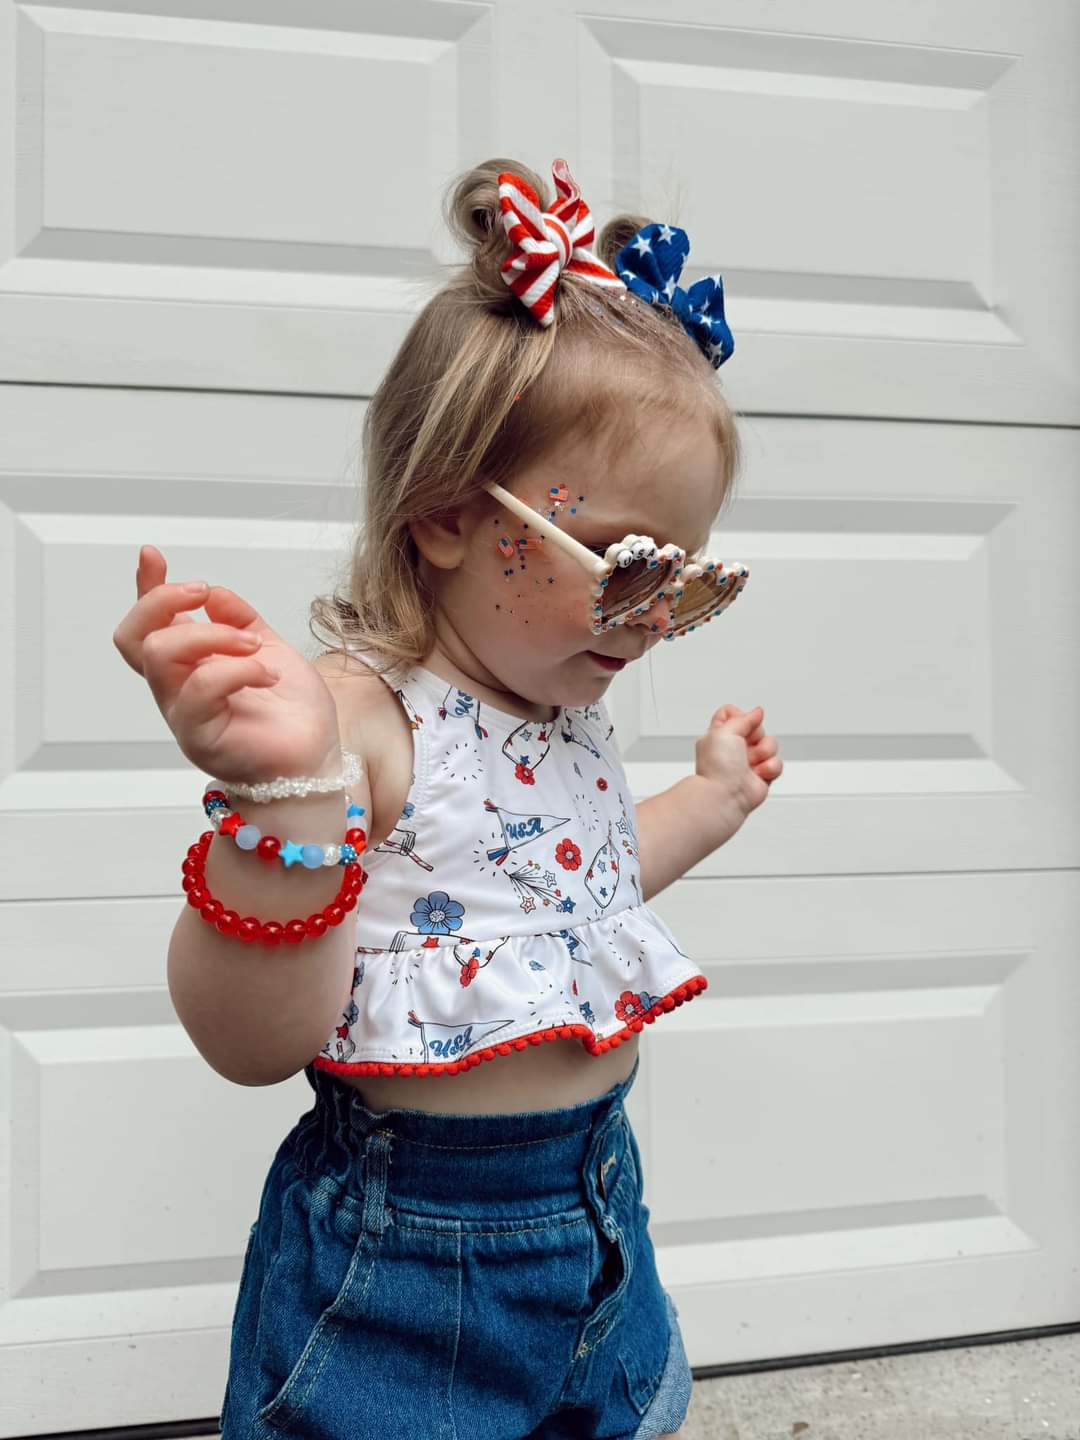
(373, 725)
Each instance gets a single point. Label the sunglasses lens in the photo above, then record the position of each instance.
(706, 595)
(635, 584)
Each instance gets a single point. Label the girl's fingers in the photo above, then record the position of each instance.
(225, 605)
(178, 647)
(149, 571)
(157, 609)
(203, 694)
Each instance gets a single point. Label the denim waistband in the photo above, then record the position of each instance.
(532, 1162)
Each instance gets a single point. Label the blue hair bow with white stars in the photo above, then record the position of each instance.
(650, 265)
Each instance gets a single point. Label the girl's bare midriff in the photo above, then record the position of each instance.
(550, 1076)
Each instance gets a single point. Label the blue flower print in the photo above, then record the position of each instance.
(436, 914)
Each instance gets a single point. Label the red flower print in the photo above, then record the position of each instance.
(469, 971)
(601, 783)
(524, 774)
(628, 1006)
(568, 855)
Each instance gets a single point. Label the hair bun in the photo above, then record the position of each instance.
(617, 233)
(473, 216)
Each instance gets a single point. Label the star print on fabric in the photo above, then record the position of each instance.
(528, 903)
(669, 288)
(550, 877)
(622, 826)
(666, 233)
(567, 906)
(642, 245)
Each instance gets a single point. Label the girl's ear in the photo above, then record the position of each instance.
(442, 539)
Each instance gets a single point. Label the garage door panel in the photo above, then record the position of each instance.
(862, 1105)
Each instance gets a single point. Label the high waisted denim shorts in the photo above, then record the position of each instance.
(454, 1277)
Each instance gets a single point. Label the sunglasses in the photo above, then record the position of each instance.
(633, 573)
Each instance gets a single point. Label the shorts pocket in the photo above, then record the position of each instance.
(319, 1285)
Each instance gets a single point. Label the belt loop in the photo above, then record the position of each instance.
(376, 1164)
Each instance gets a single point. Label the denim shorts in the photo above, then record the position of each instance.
(414, 1276)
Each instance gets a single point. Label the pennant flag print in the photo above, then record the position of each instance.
(462, 705)
(428, 940)
(519, 828)
(449, 1042)
(573, 735)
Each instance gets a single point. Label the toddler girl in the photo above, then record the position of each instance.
(453, 1241)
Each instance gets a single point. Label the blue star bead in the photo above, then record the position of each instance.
(312, 856)
(354, 810)
(290, 852)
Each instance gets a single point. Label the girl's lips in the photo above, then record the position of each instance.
(609, 662)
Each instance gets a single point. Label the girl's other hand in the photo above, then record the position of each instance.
(736, 753)
(242, 704)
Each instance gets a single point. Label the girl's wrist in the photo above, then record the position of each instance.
(338, 770)
(713, 807)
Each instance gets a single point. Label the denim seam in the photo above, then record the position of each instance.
(511, 1145)
(519, 1230)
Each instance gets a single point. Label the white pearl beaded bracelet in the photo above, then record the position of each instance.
(286, 785)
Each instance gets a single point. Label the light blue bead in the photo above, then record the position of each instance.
(312, 856)
(248, 836)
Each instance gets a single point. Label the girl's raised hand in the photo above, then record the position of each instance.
(739, 756)
(242, 704)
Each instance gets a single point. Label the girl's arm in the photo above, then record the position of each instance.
(679, 827)
(256, 1013)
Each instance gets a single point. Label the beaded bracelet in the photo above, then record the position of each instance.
(270, 932)
(286, 786)
(269, 847)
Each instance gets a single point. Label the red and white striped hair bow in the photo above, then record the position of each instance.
(547, 242)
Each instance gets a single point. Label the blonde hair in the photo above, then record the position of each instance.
(476, 384)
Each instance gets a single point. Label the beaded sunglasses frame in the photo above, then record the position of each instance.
(702, 572)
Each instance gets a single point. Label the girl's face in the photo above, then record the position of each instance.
(521, 625)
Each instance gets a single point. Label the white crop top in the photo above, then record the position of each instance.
(505, 905)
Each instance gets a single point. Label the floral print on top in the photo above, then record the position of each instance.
(505, 904)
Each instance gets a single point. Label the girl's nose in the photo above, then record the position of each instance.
(656, 618)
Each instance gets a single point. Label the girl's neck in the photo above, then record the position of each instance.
(454, 663)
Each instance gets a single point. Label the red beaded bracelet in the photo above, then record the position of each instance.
(270, 932)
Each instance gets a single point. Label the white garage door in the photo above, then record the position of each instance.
(215, 224)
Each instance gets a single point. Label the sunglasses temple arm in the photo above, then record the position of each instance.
(584, 556)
